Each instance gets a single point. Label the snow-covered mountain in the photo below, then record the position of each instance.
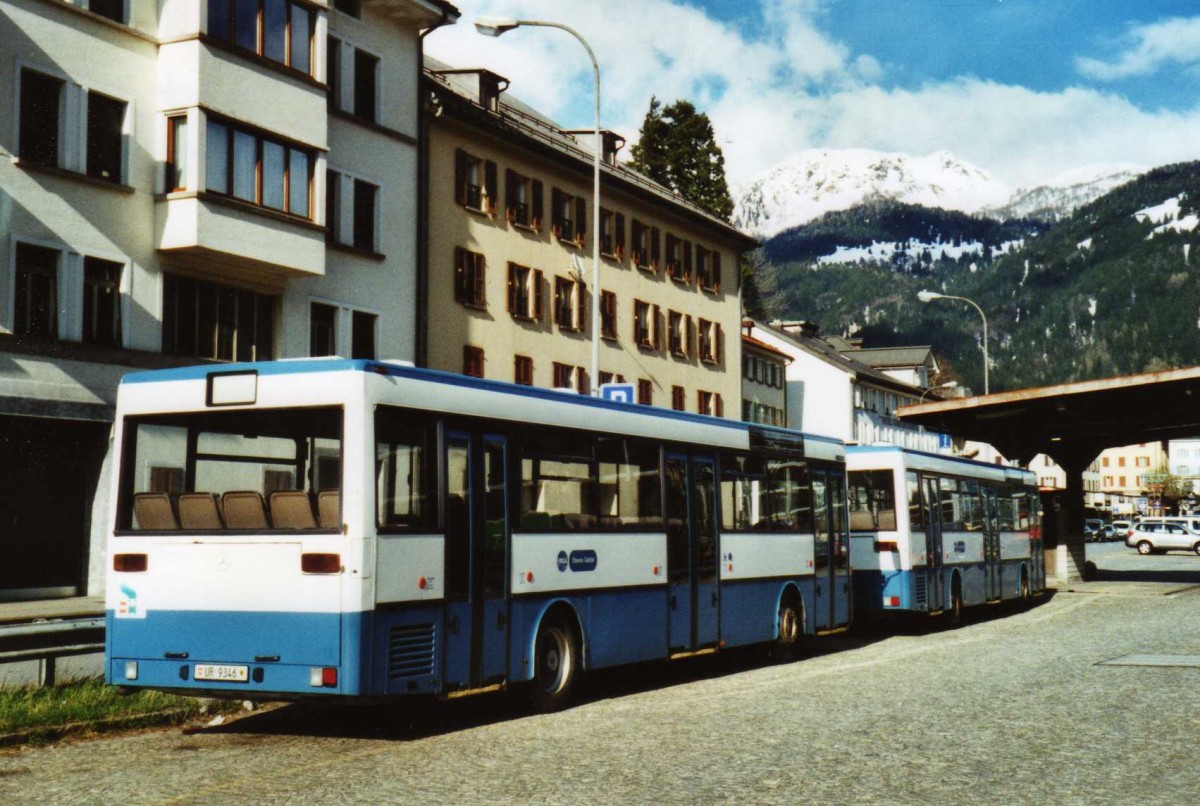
(1063, 194)
(818, 181)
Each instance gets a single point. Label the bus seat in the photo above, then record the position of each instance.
(290, 509)
(244, 510)
(153, 512)
(199, 511)
(861, 521)
(887, 520)
(329, 504)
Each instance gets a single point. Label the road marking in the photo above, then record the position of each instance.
(1172, 661)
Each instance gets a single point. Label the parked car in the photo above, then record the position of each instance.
(1095, 530)
(1157, 536)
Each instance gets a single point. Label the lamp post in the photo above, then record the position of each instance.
(928, 296)
(946, 385)
(495, 26)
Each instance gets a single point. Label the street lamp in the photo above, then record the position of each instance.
(946, 385)
(495, 26)
(928, 296)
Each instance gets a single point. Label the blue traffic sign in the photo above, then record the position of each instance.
(617, 392)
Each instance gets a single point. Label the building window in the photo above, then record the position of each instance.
(608, 314)
(646, 325)
(207, 320)
(469, 278)
(708, 269)
(333, 206)
(366, 72)
(1121, 461)
(608, 377)
(1142, 461)
(710, 403)
(679, 334)
(710, 342)
(257, 169)
(101, 302)
(322, 329)
(473, 361)
(523, 200)
(525, 292)
(362, 334)
(679, 259)
(333, 72)
(278, 30)
(1104, 461)
(351, 7)
(35, 307)
(564, 376)
(105, 140)
(569, 305)
(178, 175)
(366, 197)
(39, 130)
(612, 234)
(1122, 481)
(645, 392)
(112, 9)
(646, 246)
(568, 216)
(523, 370)
(474, 182)
(678, 398)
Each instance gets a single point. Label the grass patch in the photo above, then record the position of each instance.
(91, 703)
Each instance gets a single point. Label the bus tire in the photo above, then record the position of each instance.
(791, 628)
(556, 663)
(954, 612)
(1024, 584)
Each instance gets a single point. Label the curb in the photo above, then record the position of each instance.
(54, 733)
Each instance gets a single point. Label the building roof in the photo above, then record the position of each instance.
(524, 124)
(820, 349)
(891, 357)
(767, 348)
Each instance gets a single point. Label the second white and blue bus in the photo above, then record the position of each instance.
(933, 534)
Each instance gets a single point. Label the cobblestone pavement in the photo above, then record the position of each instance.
(1011, 708)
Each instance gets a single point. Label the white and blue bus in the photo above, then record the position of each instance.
(355, 528)
(932, 534)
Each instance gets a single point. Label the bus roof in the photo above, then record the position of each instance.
(936, 461)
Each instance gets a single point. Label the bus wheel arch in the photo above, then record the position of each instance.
(790, 623)
(556, 657)
(954, 606)
(1024, 589)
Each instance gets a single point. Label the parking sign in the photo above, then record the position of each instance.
(617, 392)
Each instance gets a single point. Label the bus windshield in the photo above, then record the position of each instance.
(232, 471)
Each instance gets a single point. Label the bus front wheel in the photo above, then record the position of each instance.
(791, 627)
(555, 664)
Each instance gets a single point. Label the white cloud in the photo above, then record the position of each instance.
(794, 87)
(1150, 48)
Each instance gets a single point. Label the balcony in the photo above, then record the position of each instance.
(226, 239)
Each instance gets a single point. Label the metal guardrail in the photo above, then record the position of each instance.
(49, 640)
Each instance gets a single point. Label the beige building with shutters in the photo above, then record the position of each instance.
(510, 253)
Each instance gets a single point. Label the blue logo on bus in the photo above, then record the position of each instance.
(562, 561)
(583, 560)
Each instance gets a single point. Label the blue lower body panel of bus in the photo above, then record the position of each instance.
(887, 591)
(241, 653)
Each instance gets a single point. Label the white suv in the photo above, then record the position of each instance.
(1156, 536)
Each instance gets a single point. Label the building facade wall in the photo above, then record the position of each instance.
(488, 323)
(764, 386)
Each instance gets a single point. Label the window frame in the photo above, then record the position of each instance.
(230, 35)
(232, 129)
(470, 278)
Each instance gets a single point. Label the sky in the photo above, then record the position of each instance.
(1025, 89)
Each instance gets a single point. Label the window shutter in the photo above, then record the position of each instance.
(718, 343)
(512, 290)
(555, 211)
(619, 236)
(720, 405)
(687, 261)
(689, 345)
(580, 219)
(489, 185)
(460, 176)
(558, 292)
(637, 334)
(715, 269)
(636, 233)
(657, 327)
(655, 247)
(480, 297)
(582, 306)
(510, 194)
(459, 272)
(537, 205)
(538, 302)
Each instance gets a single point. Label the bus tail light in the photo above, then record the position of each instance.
(321, 563)
(323, 677)
(131, 670)
(886, 545)
(130, 563)
(891, 601)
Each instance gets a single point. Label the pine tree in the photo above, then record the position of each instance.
(678, 150)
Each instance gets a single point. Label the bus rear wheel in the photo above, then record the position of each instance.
(555, 664)
(954, 614)
(791, 626)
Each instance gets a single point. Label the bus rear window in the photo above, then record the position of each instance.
(872, 500)
(232, 471)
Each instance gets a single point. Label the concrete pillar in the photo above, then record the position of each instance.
(1070, 555)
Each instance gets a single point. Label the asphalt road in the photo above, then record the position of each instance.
(1011, 708)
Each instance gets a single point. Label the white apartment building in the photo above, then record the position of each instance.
(1183, 461)
(184, 181)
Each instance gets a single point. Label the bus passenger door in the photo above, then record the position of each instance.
(839, 549)
(822, 568)
(934, 578)
(991, 543)
(493, 664)
(476, 527)
(693, 596)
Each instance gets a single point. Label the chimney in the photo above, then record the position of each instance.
(610, 142)
(799, 328)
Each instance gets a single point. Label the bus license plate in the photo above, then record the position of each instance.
(222, 673)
